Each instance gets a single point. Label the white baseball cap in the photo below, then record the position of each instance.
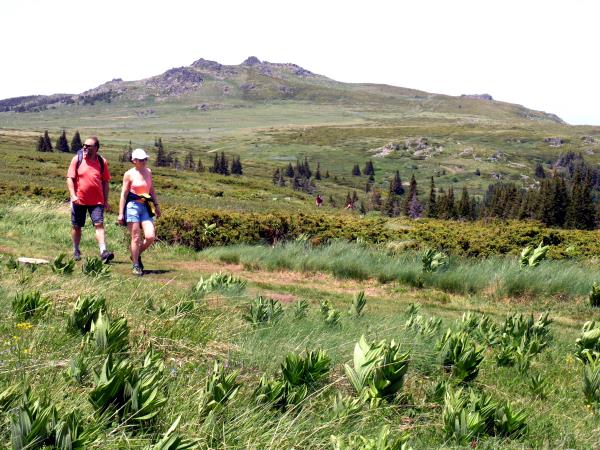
(139, 153)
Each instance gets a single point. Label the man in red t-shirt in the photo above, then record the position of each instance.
(87, 180)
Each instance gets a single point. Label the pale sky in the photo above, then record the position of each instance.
(541, 54)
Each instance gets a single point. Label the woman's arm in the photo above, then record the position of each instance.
(122, 200)
(153, 195)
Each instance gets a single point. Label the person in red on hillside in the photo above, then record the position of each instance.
(87, 180)
(318, 200)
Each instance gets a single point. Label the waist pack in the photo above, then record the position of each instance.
(145, 198)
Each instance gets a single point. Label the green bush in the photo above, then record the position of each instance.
(594, 295)
(461, 355)
(62, 266)
(220, 388)
(85, 312)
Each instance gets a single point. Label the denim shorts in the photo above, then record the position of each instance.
(78, 214)
(137, 212)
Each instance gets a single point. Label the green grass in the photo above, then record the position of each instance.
(494, 277)
(37, 354)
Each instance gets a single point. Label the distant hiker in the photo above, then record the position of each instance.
(87, 180)
(138, 206)
(318, 200)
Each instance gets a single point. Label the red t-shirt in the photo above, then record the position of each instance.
(88, 180)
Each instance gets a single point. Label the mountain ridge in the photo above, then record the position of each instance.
(255, 80)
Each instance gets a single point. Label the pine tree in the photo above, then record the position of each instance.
(236, 166)
(318, 172)
(369, 168)
(188, 162)
(375, 200)
(76, 143)
(412, 192)
(176, 163)
(281, 181)
(539, 171)
(199, 166)
(306, 168)
(396, 184)
(451, 208)
(216, 164)
(161, 156)
(276, 176)
(170, 159)
(464, 205)
(580, 213)
(47, 143)
(415, 209)
(62, 145)
(224, 170)
(289, 171)
(327, 174)
(356, 170)
(432, 204)
(367, 187)
(40, 144)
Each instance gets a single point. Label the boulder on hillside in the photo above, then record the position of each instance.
(251, 61)
(554, 141)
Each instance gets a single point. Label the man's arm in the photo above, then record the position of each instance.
(71, 187)
(105, 190)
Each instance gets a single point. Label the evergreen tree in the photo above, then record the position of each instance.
(281, 181)
(432, 204)
(199, 166)
(367, 187)
(327, 174)
(47, 143)
(318, 172)
(369, 168)
(477, 172)
(188, 162)
(236, 166)
(289, 171)
(450, 204)
(161, 156)
(76, 143)
(306, 169)
(170, 159)
(412, 192)
(415, 209)
(396, 184)
(464, 205)
(580, 213)
(62, 145)
(372, 178)
(356, 170)
(216, 164)
(276, 176)
(40, 144)
(539, 171)
(224, 170)
(126, 154)
(375, 200)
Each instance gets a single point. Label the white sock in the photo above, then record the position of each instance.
(102, 246)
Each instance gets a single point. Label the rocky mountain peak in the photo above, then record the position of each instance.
(251, 61)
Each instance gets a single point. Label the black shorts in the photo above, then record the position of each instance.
(78, 213)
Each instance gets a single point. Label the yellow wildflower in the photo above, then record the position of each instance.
(24, 326)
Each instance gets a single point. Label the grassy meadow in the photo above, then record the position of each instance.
(191, 331)
(257, 344)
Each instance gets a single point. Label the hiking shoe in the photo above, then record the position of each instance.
(139, 261)
(107, 256)
(137, 270)
(76, 255)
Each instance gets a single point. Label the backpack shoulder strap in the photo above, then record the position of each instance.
(80, 158)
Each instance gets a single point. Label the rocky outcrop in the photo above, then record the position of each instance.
(478, 96)
(554, 141)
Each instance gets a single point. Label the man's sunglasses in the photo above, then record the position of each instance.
(89, 146)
